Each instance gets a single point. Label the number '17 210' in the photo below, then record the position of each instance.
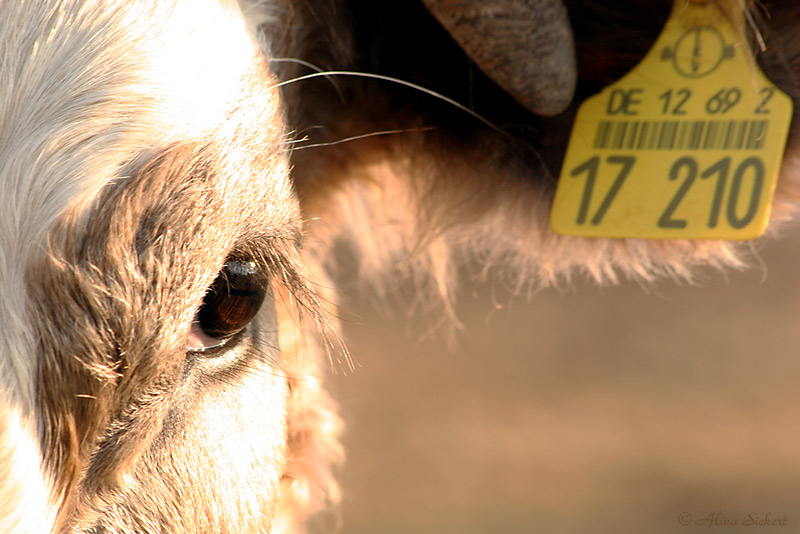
(685, 170)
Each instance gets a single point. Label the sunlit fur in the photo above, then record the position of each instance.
(144, 142)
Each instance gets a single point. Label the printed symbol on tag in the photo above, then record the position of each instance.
(698, 52)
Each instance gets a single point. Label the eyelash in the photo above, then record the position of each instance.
(283, 267)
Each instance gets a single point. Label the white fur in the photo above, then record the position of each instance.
(26, 508)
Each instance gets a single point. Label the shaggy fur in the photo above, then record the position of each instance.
(143, 143)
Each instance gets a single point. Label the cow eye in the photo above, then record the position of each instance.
(232, 301)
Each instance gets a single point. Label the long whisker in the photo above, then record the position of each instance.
(364, 136)
(298, 62)
(307, 64)
(397, 81)
(751, 21)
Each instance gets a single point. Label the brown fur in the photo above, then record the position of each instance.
(117, 354)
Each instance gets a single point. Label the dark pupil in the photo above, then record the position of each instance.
(233, 299)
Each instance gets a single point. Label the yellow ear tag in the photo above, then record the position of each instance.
(686, 145)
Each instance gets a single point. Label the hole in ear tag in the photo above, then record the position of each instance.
(686, 145)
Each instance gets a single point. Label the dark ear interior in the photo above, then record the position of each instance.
(459, 170)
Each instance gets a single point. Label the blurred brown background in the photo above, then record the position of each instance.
(618, 409)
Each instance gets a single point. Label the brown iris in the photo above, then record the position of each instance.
(233, 300)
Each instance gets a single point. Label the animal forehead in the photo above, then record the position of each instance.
(91, 91)
(198, 198)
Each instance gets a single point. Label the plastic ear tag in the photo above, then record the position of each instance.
(686, 145)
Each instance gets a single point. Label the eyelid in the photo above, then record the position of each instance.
(199, 341)
(242, 268)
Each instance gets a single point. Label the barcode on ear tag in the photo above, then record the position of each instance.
(686, 145)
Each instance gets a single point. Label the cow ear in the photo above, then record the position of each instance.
(414, 178)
